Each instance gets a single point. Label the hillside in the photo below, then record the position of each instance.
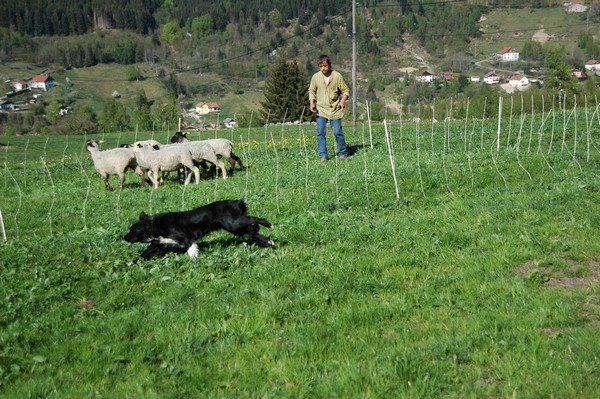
(236, 82)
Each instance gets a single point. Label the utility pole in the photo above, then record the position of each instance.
(354, 65)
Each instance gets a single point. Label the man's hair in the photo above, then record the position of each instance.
(324, 59)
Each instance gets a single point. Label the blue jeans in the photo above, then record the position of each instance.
(336, 125)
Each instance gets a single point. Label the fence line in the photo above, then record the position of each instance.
(418, 148)
(455, 140)
(87, 193)
(276, 172)
(366, 169)
(19, 204)
(53, 194)
(392, 161)
(2, 225)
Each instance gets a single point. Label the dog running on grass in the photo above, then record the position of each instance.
(179, 231)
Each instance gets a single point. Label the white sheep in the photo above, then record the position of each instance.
(114, 161)
(223, 148)
(165, 158)
(146, 143)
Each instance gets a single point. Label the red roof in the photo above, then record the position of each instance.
(210, 105)
(505, 50)
(41, 78)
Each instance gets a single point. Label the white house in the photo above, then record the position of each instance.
(43, 82)
(518, 80)
(491, 78)
(574, 7)
(424, 76)
(229, 123)
(205, 108)
(507, 54)
(579, 74)
(592, 65)
(21, 85)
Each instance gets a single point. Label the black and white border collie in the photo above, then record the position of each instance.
(179, 231)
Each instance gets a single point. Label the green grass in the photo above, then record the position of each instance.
(449, 290)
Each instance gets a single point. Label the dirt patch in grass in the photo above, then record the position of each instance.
(572, 276)
(575, 274)
(542, 37)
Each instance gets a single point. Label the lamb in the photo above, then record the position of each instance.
(166, 158)
(115, 161)
(223, 148)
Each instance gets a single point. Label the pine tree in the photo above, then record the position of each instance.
(286, 93)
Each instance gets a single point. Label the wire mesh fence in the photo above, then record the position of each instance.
(49, 184)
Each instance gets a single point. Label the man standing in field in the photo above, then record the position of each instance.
(330, 92)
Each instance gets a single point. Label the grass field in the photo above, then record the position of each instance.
(477, 278)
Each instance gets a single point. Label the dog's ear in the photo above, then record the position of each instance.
(143, 216)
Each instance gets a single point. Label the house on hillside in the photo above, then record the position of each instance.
(43, 82)
(507, 54)
(579, 74)
(571, 7)
(205, 108)
(6, 105)
(229, 123)
(592, 65)
(448, 76)
(21, 85)
(491, 78)
(518, 80)
(424, 76)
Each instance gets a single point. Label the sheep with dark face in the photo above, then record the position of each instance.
(115, 161)
(223, 148)
(165, 158)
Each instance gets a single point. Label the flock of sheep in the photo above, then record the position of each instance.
(151, 157)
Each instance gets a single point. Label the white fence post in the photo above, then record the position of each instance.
(2, 224)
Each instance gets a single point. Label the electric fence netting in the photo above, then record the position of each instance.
(50, 187)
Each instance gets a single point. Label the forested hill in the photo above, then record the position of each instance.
(226, 29)
(67, 17)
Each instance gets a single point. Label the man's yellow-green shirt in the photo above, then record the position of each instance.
(328, 96)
